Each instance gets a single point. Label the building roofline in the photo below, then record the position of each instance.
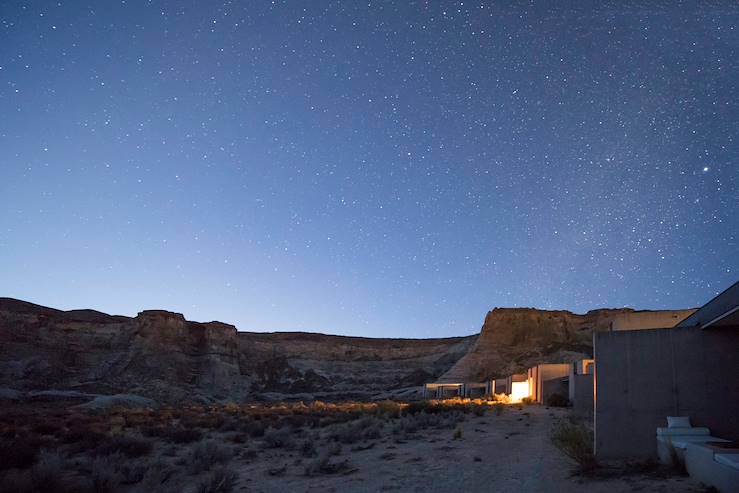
(721, 306)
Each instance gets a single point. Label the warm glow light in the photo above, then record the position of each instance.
(519, 390)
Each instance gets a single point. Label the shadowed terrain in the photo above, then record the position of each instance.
(80, 354)
(161, 355)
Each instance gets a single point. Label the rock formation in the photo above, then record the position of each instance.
(514, 339)
(161, 355)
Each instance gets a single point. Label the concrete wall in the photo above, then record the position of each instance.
(553, 386)
(549, 381)
(581, 394)
(650, 319)
(532, 375)
(516, 377)
(500, 386)
(643, 376)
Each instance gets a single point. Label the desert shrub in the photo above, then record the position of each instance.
(105, 473)
(152, 431)
(419, 407)
(254, 428)
(158, 477)
(82, 437)
(528, 401)
(229, 424)
(333, 449)
(18, 453)
(410, 424)
(557, 400)
(178, 434)
(389, 408)
(248, 454)
(366, 428)
(201, 419)
(207, 454)
(46, 427)
(307, 448)
(280, 438)
(232, 408)
(129, 446)
(456, 405)
(457, 434)
(301, 420)
(324, 465)
(221, 480)
(16, 481)
(49, 467)
(238, 438)
(47, 475)
(132, 473)
(576, 442)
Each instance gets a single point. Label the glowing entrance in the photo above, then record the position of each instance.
(519, 390)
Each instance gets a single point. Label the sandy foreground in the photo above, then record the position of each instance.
(509, 452)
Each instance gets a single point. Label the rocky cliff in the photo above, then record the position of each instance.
(514, 339)
(161, 355)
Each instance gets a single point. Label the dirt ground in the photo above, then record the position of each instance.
(431, 446)
(507, 452)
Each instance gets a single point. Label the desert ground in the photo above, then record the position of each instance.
(315, 447)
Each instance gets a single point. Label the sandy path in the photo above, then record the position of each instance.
(503, 453)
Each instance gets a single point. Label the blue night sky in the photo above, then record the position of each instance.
(367, 168)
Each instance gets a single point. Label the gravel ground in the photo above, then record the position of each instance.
(509, 452)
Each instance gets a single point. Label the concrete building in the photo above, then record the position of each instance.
(689, 369)
(649, 319)
(500, 386)
(442, 390)
(547, 379)
(580, 387)
(518, 386)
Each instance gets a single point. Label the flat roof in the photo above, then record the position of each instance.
(721, 311)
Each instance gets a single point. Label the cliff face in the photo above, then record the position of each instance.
(514, 339)
(161, 355)
(156, 353)
(347, 363)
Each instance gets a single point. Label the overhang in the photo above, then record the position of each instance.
(721, 311)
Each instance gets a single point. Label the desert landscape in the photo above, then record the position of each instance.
(93, 402)
(330, 246)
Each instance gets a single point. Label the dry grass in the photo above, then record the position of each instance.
(155, 450)
(129, 446)
(207, 454)
(576, 442)
(220, 480)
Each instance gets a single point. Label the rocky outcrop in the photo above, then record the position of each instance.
(156, 353)
(514, 339)
(346, 364)
(159, 354)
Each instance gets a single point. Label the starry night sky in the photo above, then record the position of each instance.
(367, 168)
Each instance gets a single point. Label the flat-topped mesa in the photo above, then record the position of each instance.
(161, 355)
(513, 339)
(166, 329)
(161, 319)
